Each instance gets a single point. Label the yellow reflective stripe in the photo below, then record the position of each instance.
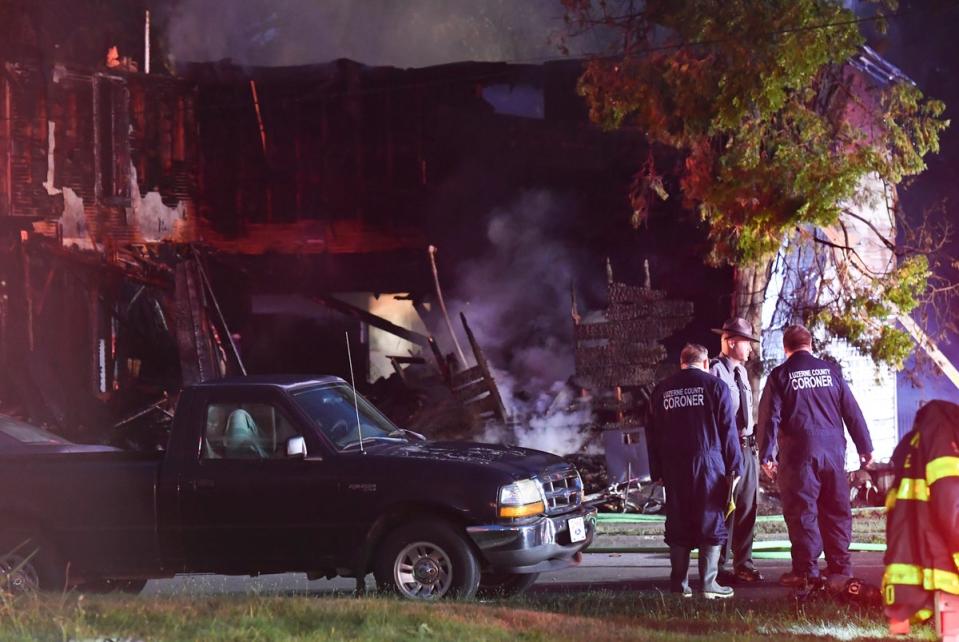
(922, 615)
(913, 489)
(890, 499)
(930, 579)
(941, 467)
(955, 558)
(903, 574)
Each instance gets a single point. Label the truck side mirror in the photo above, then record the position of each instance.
(296, 448)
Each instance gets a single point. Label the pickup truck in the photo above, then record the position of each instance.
(291, 474)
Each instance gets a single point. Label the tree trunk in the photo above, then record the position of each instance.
(749, 292)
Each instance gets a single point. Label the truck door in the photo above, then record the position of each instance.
(244, 504)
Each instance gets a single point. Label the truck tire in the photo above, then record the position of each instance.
(29, 563)
(505, 585)
(427, 560)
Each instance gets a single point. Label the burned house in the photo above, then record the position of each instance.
(97, 170)
(158, 229)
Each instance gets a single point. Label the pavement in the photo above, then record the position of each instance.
(631, 572)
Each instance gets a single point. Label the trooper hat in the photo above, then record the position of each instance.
(737, 327)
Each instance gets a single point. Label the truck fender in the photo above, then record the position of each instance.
(396, 515)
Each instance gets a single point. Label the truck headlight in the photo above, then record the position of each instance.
(521, 499)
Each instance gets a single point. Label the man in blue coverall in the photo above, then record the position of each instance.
(803, 407)
(694, 449)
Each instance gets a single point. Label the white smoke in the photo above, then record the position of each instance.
(557, 421)
(516, 298)
(413, 33)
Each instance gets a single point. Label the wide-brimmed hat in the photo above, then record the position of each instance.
(737, 327)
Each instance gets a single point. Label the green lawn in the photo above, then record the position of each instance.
(594, 615)
(590, 616)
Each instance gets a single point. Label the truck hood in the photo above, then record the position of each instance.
(519, 462)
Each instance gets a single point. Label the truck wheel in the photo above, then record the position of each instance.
(28, 564)
(427, 560)
(501, 585)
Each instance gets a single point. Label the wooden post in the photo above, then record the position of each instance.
(619, 404)
(484, 366)
(441, 362)
(446, 317)
(27, 289)
(7, 148)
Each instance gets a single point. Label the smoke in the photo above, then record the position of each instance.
(556, 421)
(376, 32)
(516, 297)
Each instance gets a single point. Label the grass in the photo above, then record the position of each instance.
(594, 616)
(542, 615)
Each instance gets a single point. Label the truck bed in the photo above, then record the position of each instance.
(89, 504)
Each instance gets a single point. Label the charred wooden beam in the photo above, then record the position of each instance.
(372, 319)
(51, 273)
(496, 400)
(219, 313)
(154, 407)
(441, 363)
(27, 289)
(196, 352)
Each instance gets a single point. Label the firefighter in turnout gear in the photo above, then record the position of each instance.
(922, 525)
(736, 346)
(694, 450)
(802, 410)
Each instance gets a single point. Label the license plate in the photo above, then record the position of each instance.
(577, 529)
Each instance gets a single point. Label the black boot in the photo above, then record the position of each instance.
(708, 569)
(679, 573)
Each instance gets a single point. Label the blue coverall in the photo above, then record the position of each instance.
(802, 409)
(694, 446)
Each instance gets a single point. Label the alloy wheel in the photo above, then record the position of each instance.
(423, 571)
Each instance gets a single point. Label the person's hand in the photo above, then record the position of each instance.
(865, 460)
(769, 469)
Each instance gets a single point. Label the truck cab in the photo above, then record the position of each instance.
(278, 474)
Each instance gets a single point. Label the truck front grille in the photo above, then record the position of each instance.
(562, 488)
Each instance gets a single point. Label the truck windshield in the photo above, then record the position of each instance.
(332, 411)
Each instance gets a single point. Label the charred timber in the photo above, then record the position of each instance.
(649, 309)
(620, 353)
(610, 376)
(629, 330)
(622, 293)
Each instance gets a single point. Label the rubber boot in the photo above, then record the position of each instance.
(679, 571)
(708, 569)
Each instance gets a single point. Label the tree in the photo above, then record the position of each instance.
(778, 138)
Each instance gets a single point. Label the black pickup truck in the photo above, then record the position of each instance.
(278, 474)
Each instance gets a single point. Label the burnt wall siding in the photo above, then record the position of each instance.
(342, 141)
(163, 136)
(104, 123)
(74, 156)
(26, 160)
